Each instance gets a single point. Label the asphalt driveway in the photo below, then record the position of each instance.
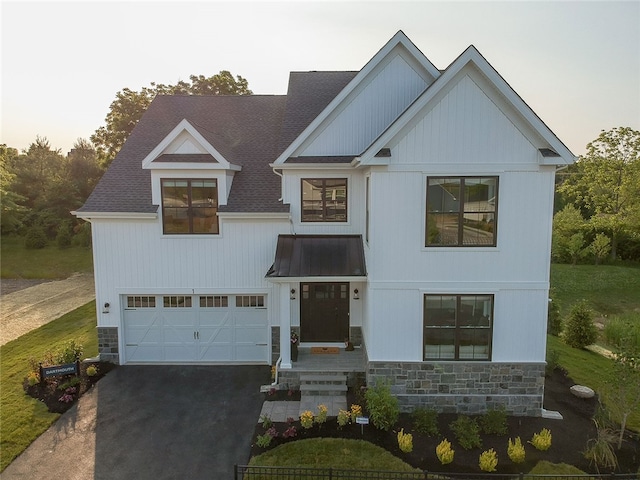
(152, 422)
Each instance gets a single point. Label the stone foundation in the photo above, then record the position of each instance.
(469, 387)
(108, 344)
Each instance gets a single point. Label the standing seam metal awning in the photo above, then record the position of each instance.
(318, 256)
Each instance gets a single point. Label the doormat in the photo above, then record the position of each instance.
(325, 350)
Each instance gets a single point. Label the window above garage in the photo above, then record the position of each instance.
(190, 206)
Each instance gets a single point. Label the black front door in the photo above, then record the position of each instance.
(324, 312)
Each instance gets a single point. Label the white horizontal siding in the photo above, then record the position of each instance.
(465, 127)
(370, 112)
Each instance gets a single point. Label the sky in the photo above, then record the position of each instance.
(575, 63)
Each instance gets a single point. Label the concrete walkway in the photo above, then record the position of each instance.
(30, 308)
(281, 411)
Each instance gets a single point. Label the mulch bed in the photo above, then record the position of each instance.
(569, 436)
(49, 392)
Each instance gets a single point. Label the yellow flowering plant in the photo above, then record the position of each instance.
(515, 450)
(322, 414)
(444, 452)
(488, 460)
(405, 441)
(306, 419)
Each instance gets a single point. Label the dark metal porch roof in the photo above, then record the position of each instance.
(318, 256)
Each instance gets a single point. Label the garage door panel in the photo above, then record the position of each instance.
(236, 331)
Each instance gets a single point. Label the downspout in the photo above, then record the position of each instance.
(275, 381)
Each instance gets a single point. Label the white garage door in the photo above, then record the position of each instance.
(196, 328)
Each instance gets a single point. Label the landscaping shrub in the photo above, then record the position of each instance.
(63, 237)
(356, 411)
(488, 461)
(425, 421)
(542, 440)
(35, 238)
(306, 419)
(494, 421)
(266, 421)
(623, 328)
(322, 414)
(515, 451)
(467, 432)
(92, 371)
(600, 449)
(405, 441)
(344, 417)
(579, 330)
(444, 452)
(382, 406)
(553, 361)
(263, 441)
(554, 320)
(70, 352)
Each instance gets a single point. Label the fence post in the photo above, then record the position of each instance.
(521, 476)
(235, 471)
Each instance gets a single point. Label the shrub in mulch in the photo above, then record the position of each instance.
(59, 394)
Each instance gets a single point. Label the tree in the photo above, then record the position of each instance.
(12, 210)
(605, 183)
(600, 247)
(579, 330)
(567, 239)
(624, 384)
(129, 106)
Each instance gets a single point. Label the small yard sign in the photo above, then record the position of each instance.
(362, 421)
(59, 370)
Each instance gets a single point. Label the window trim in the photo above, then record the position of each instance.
(457, 329)
(324, 206)
(461, 213)
(189, 208)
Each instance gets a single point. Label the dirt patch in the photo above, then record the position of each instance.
(28, 308)
(10, 285)
(569, 436)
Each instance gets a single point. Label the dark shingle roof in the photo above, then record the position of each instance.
(248, 130)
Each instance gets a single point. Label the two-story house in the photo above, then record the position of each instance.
(404, 207)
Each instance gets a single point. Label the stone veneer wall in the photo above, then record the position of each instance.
(469, 387)
(108, 344)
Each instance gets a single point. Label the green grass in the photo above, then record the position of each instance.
(590, 369)
(50, 262)
(608, 289)
(25, 418)
(544, 467)
(336, 453)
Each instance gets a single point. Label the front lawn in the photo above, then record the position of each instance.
(23, 417)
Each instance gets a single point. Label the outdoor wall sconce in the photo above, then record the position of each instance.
(293, 294)
(356, 295)
(106, 308)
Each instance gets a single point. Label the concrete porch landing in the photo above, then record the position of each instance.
(280, 411)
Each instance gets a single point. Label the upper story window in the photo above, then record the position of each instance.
(458, 327)
(461, 211)
(324, 199)
(190, 206)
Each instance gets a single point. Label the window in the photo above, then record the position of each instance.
(461, 211)
(249, 301)
(324, 200)
(141, 302)
(214, 301)
(177, 301)
(458, 327)
(190, 206)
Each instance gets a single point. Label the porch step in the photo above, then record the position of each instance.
(323, 384)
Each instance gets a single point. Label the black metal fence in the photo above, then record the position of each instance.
(245, 472)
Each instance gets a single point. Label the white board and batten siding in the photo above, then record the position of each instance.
(132, 257)
(463, 132)
(369, 110)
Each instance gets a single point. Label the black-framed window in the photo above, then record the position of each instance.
(189, 206)
(324, 199)
(461, 211)
(458, 327)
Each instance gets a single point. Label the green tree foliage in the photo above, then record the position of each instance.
(568, 238)
(47, 186)
(127, 109)
(600, 247)
(554, 320)
(579, 330)
(605, 184)
(624, 383)
(12, 209)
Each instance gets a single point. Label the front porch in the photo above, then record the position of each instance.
(351, 364)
